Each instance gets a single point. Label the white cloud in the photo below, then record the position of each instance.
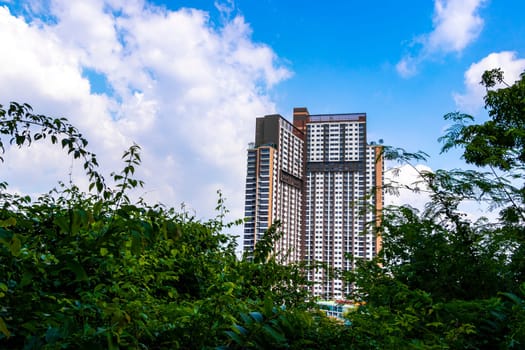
(456, 24)
(471, 101)
(407, 67)
(411, 190)
(226, 8)
(414, 192)
(183, 88)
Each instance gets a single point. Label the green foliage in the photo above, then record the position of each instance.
(500, 141)
(443, 281)
(279, 328)
(446, 257)
(515, 337)
(24, 127)
(82, 273)
(95, 270)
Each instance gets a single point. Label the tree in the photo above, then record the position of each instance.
(500, 141)
(442, 280)
(96, 270)
(18, 122)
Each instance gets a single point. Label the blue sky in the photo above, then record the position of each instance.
(343, 58)
(186, 79)
(344, 55)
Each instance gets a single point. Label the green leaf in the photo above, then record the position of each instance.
(235, 337)
(8, 222)
(3, 328)
(241, 329)
(27, 278)
(257, 316)
(78, 270)
(52, 335)
(247, 319)
(15, 246)
(103, 251)
(20, 139)
(513, 297)
(277, 336)
(268, 306)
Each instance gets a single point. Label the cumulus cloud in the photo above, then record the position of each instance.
(471, 100)
(226, 8)
(186, 89)
(456, 23)
(411, 190)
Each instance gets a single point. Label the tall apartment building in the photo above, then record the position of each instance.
(325, 190)
(274, 186)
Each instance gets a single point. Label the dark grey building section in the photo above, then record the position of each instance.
(267, 130)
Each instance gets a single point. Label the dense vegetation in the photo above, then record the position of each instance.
(97, 270)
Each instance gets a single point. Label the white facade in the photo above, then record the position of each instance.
(340, 175)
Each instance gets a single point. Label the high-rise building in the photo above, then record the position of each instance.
(342, 196)
(274, 186)
(321, 179)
